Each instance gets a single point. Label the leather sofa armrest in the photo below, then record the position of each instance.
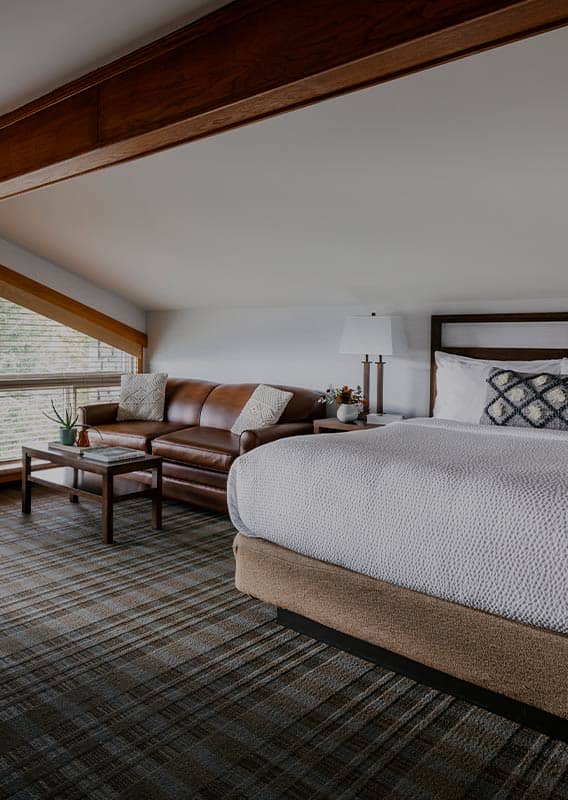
(98, 414)
(254, 438)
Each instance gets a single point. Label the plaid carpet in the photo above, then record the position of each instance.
(137, 671)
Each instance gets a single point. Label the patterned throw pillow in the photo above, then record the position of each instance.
(526, 400)
(142, 397)
(264, 407)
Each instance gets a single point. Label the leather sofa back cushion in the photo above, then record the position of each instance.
(303, 407)
(225, 403)
(184, 400)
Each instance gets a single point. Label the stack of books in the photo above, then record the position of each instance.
(110, 455)
(104, 455)
(68, 448)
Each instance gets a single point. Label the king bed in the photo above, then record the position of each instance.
(437, 547)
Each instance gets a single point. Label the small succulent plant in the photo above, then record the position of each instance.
(66, 420)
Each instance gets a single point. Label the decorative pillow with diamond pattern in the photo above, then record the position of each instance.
(526, 400)
(264, 407)
(142, 397)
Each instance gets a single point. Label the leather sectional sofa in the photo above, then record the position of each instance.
(195, 439)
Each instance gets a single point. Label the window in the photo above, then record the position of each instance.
(42, 360)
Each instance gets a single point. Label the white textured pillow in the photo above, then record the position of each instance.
(461, 383)
(264, 407)
(142, 397)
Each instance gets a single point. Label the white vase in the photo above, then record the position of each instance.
(348, 412)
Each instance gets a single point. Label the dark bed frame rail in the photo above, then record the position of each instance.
(496, 353)
(521, 713)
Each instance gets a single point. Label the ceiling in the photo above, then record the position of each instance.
(449, 185)
(45, 43)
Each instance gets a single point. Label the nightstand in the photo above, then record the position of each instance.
(333, 425)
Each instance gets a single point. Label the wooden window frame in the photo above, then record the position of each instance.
(24, 291)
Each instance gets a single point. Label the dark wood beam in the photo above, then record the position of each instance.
(246, 61)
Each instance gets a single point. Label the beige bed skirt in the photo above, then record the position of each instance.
(523, 662)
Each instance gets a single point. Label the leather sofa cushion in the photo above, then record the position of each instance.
(184, 400)
(209, 448)
(135, 434)
(225, 402)
(305, 406)
(184, 472)
(197, 494)
(208, 495)
(224, 405)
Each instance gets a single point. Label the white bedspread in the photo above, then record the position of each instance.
(472, 514)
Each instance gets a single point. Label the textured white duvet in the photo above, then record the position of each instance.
(469, 513)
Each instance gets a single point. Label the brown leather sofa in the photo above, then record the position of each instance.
(195, 439)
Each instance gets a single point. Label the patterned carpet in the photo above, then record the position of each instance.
(137, 671)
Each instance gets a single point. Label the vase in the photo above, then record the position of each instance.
(67, 436)
(83, 438)
(348, 412)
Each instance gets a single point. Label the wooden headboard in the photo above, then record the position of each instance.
(492, 353)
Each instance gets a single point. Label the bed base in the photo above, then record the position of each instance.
(516, 670)
(522, 713)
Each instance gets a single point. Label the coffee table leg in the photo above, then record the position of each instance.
(108, 491)
(26, 485)
(73, 498)
(157, 497)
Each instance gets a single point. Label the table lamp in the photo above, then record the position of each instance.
(377, 335)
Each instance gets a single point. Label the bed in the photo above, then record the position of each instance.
(465, 588)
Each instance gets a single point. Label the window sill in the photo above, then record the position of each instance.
(11, 471)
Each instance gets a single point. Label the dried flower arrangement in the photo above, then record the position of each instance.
(343, 394)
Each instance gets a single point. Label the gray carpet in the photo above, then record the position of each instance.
(137, 671)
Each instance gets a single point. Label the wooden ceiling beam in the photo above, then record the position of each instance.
(246, 61)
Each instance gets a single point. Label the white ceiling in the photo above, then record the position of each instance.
(45, 43)
(444, 186)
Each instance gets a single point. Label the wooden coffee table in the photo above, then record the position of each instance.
(79, 477)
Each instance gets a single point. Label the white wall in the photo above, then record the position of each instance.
(43, 271)
(298, 346)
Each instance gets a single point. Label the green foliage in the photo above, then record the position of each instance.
(67, 420)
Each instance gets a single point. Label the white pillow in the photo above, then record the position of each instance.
(461, 383)
(142, 396)
(264, 407)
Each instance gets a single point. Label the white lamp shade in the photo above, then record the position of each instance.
(383, 336)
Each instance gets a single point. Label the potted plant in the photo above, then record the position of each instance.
(349, 401)
(67, 424)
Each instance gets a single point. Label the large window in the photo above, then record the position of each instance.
(42, 360)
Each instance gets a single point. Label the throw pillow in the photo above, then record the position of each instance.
(142, 397)
(264, 407)
(526, 400)
(461, 382)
